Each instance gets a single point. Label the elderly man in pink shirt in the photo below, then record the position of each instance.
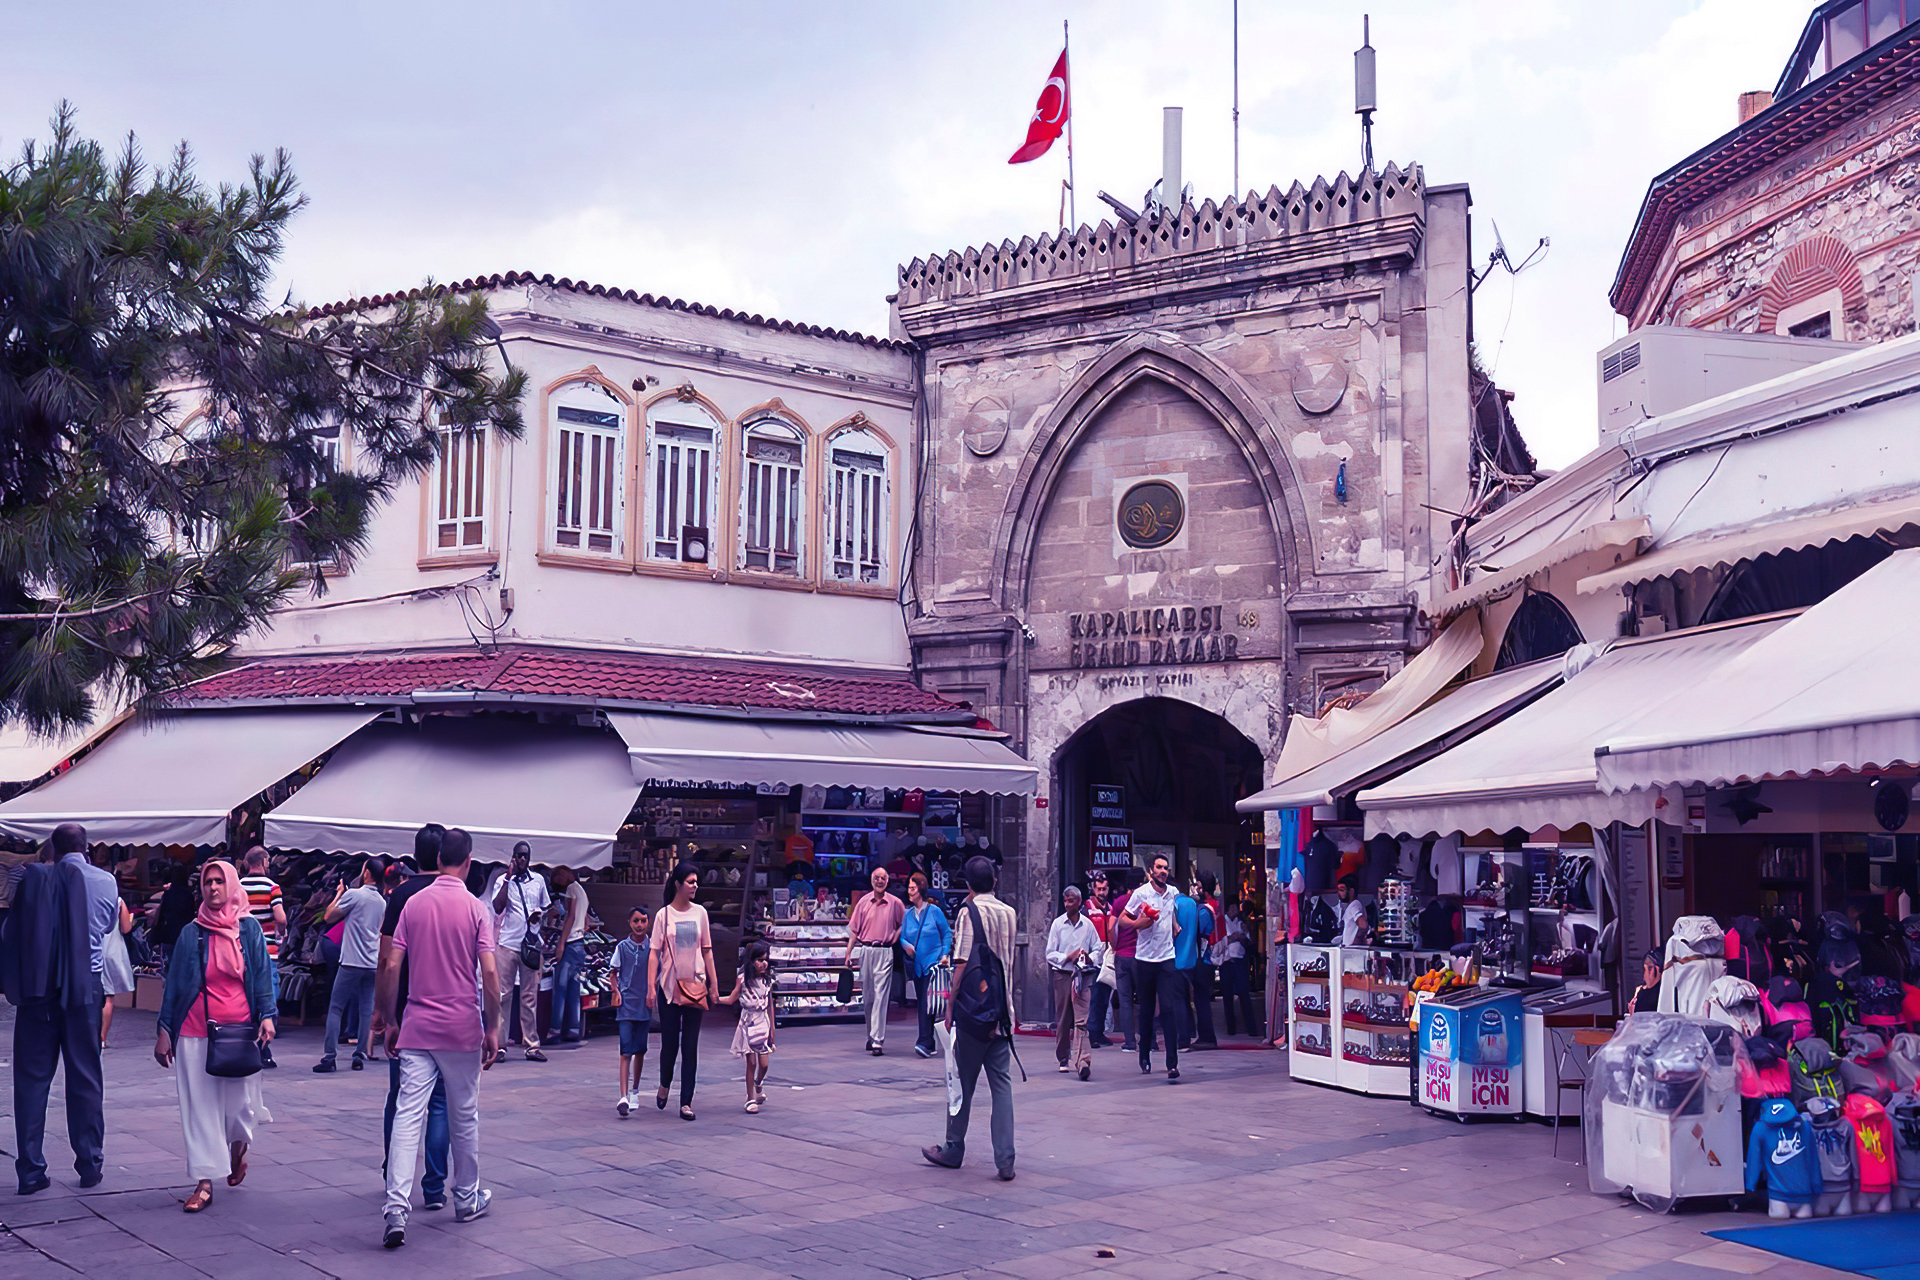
(451, 1033)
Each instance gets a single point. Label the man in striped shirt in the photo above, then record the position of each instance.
(265, 905)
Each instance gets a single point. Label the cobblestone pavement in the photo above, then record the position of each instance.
(1233, 1171)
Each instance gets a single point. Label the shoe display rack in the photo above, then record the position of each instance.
(808, 959)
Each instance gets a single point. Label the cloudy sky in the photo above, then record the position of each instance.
(785, 157)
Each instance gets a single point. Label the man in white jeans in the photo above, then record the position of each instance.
(874, 928)
(451, 1032)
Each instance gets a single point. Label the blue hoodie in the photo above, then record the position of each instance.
(1186, 947)
(1781, 1153)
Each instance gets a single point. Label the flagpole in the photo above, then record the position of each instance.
(1073, 192)
(1236, 99)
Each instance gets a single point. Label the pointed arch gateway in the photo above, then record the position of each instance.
(1136, 360)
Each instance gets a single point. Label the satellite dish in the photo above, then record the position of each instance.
(1499, 245)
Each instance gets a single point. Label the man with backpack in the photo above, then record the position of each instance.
(980, 1016)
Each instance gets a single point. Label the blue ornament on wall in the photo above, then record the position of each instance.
(1340, 484)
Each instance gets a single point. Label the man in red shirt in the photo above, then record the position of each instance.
(1099, 909)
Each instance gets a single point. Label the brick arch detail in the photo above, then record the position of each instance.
(1808, 269)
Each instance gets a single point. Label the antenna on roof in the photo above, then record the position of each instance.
(1366, 99)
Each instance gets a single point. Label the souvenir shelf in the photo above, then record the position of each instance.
(1497, 909)
(1564, 915)
(807, 957)
(1347, 1019)
(721, 837)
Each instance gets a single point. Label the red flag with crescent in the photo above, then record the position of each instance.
(1049, 115)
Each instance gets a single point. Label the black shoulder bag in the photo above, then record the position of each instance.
(233, 1048)
(530, 953)
(979, 1001)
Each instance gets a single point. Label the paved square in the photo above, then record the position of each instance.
(1234, 1171)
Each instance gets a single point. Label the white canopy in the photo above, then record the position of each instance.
(25, 755)
(1536, 767)
(1312, 742)
(1459, 714)
(564, 791)
(1593, 537)
(1834, 690)
(174, 779)
(1759, 540)
(666, 748)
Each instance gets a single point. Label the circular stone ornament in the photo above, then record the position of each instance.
(1151, 514)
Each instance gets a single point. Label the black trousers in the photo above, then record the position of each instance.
(1097, 1013)
(679, 1032)
(44, 1033)
(1201, 982)
(1158, 982)
(1236, 984)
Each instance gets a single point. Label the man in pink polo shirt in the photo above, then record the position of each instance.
(446, 937)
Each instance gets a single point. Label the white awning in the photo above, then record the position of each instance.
(1536, 767)
(564, 791)
(1607, 533)
(1759, 540)
(174, 779)
(1312, 742)
(26, 756)
(700, 749)
(1458, 714)
(1835, 690)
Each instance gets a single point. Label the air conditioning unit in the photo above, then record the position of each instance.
(1662, 368)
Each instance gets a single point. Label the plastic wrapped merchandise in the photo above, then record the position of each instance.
(1662, 1111)
(1696, 956)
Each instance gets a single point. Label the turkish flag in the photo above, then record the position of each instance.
(1049, 115)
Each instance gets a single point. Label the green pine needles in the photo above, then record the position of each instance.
(168, 437)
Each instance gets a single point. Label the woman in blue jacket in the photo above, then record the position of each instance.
(219, 972)
(926, 937)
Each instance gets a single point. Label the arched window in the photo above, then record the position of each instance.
(772, 488)
(681, 478)
(858, 498)
(589, 469)
(1540, 628)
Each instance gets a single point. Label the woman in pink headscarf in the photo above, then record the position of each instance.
(219, 972)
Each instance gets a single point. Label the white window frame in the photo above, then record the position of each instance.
(773, 499)
(460, 493)
(586, 473)
(858, 508)
(681, 481)
(1832, 303)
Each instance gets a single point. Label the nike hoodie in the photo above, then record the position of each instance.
(1904, 1115)
(1873, 1144)
(1782, 1156)
(1833, 1142)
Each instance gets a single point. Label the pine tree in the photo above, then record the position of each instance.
(166, 431)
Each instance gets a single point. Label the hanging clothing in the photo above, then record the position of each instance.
(1781, 1155)
(1735, 1002)
(1695, 959)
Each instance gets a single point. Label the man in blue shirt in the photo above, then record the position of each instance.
(53, 956)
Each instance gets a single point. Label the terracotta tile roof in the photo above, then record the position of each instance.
(584, 676)
(512, 279)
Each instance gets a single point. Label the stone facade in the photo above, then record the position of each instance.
(1828, 226)
(1292, 370)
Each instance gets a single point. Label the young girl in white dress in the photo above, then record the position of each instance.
(753, 1037)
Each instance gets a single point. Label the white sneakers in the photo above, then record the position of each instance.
(625, 1105)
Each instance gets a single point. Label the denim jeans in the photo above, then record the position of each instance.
(925, 1038)
(352, 990)
(564, 1019)
(433, 1183)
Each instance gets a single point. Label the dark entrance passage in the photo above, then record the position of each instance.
(1178, 769)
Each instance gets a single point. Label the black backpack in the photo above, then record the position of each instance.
(979, 1001)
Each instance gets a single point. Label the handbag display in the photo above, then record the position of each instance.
(233, 1048)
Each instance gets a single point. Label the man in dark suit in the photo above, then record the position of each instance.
(46, 966)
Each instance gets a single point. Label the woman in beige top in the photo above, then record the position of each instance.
(680, 981)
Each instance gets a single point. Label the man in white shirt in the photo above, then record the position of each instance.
(1353, 913)
(1072, 944)
(357, 901)
(1150, 914)
(519, 898)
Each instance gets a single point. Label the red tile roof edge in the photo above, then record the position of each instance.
(511, 279)
(934, 708)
